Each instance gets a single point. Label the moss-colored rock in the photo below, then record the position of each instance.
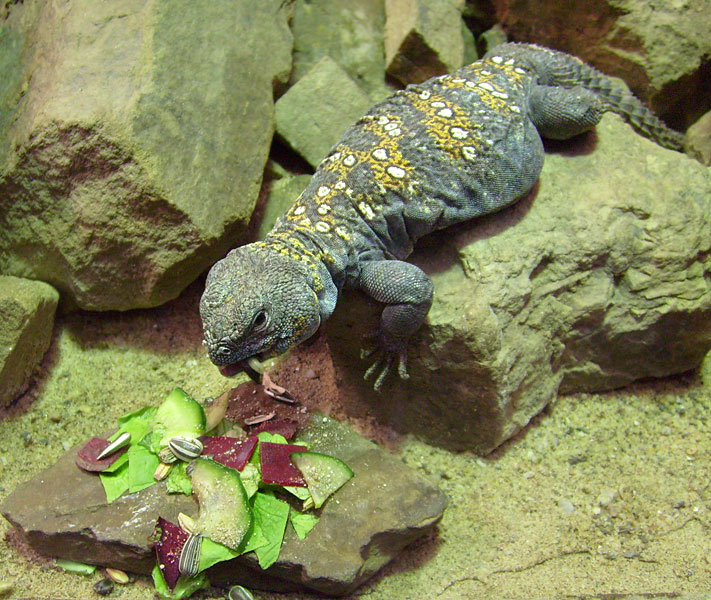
(26, 322)
(661, 49)
(598, 278)
(698, 139)
(423, 39)
(348, 31)
(137, 137)
(314, 113)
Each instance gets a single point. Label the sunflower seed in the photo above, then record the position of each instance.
(123, 440)
(186, 448)
(189, 562)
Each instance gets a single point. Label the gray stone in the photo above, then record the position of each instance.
(314, 113)
(26, 322)
(598, 278)
(660, 49)
(133, 137)
(423, 39)
(348, 31)
(63, 512)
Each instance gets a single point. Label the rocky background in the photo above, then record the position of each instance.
(141, 140)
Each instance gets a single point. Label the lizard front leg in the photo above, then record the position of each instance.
(407, 293)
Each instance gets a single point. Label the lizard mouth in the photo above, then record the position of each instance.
(252, 366)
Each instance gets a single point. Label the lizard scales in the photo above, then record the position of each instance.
(438, 153)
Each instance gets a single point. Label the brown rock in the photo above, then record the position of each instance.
(423, 39)
(63, 513)
(598, 278)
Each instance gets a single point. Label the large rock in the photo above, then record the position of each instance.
(348, 31)
(314, 113)
(26, 322)
(63, 512)
(598, 278)
(660, 49)
(133, 137)
(423, 39)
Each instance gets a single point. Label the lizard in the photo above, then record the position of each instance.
(448, 150)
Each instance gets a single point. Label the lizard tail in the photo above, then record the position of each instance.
(558, 68)
(621, 101)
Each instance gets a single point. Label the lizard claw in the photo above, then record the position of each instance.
(384, 364)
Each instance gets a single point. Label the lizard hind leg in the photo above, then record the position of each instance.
(560, 113)
(407, 293)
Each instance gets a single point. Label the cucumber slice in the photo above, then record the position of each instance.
(179, 415)
(225, 515)
(323, 474)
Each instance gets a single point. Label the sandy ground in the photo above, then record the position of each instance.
(603, 496)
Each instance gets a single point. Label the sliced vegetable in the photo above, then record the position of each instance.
(87, 457)
(323, 474)
(225, 515)
(229, 451)
(277, 466)
(169, 542)
(179, 415)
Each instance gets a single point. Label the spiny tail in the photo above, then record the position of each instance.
(559, 68)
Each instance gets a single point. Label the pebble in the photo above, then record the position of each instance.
(6, 588)
(606, 497)
(566, 505)
(104, 586)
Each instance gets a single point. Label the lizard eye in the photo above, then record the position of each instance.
(224, 350)
(260, 320)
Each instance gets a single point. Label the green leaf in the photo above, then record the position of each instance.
(271, 515)
(142, 464)
(115, 483)
(75, 567)
(211, 553)
(251, 478)
(137, 423)
(255, 539)
(302, 522)
(178, 481)
(185, 587)
(117, 464)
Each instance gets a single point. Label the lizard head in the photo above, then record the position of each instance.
(257, 303)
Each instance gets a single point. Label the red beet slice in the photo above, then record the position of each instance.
(285, 427)
(87, 456)
(229, 451)
(170, 539)
(277, 466)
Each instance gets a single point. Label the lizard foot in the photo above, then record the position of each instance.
(384, 364)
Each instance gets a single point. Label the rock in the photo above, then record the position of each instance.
(423, 39)
(698, 139)
(318, 27)
(599, 278)
(282, 194)
(660, 49)
(63, 512)
(26, 322)
(492, 38)
(314, 113)
(134, 141)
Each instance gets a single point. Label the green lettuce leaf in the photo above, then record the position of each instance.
(185, 587)
(75, 567)
(271, 516)
(211, 553)
(115, 483)
(178, 481)
(142, 464)
(302, 522)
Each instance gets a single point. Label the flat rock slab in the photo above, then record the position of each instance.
(63, 513)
